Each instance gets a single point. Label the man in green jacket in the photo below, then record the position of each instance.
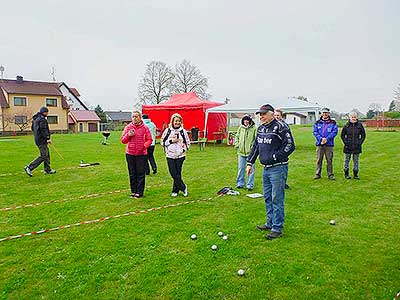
(244, 139)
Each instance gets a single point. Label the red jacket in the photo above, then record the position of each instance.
(139, 142)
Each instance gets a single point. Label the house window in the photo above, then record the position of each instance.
(51, 102)
(19, 101)
(21, 119)
(52, 119)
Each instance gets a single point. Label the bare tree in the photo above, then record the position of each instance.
(397, 98)
(23, 118)
(188, 78)
(155, 85)
(8, 119)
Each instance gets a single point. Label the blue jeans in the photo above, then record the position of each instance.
(242, 164)
(274, 179)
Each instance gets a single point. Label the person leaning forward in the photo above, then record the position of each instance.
(325, 131)
(41, 132)
(273, 145)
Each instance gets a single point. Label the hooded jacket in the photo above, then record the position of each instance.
(40, 129)
(353, 135)
(325, 129)
(152, 128)
(274, 143)
(245, 137)
(139, 142)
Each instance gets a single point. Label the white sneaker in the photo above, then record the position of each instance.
(185, 192)
(174, 194)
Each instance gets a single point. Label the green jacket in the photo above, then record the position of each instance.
(244, 139)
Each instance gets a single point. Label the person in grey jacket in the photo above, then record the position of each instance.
(41, 132)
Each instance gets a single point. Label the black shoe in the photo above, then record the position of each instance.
(287, 186)
(317, 177)
(346, 174)
(250, 189)
(239, 187)
(50, 172)
(263, 227)
(154, 171)
(28, 171)
(273, 235)
(356, 175)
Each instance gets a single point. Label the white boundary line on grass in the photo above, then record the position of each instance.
(11, 174)
(13, 237)
(67, 199)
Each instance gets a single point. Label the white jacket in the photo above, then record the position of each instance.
(175, 150)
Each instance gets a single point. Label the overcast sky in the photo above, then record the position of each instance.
(342, 54)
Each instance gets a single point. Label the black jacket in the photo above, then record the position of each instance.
(353, 135)
(40, 129)
(274, 143)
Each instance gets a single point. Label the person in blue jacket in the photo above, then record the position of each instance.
(273, 144)
(325, 131)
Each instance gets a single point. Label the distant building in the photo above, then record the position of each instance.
(117, 118)
(83, 121)
(72, 97)
(20, 99)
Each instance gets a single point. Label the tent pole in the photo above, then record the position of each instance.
(205, 125)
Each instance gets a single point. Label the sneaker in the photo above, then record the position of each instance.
(273, 235)
(28, 171)
(50, 172)
(287, 186)
(331, 177)
(154, 171)
(250, 189)
(133, 195)
(174, 194)
(239, 187)
(185, 192)
(263, 227)
(317, 177)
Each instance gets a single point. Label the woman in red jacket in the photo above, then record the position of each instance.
(137, 138)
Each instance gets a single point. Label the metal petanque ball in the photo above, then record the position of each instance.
(214, 247)
(193, 237)
(240, 272)
(332, 222)
(225, 237)
(220, 233)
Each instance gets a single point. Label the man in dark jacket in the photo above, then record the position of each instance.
(41, 132)
(273, 144)
(325, 131)
(353, 135)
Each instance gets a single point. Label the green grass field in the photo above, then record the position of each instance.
(151, 256)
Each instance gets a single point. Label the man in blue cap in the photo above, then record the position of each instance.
(41, 132)
(273, 144)
(325, 131)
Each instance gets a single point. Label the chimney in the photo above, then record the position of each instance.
(20, 79)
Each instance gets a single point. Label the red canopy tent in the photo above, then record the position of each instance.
(192, 109)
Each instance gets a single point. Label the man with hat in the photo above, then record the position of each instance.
(325, 131)
(273, 144)
(41, 132)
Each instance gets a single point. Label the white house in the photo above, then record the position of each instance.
(72, 97)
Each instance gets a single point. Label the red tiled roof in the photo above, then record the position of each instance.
(75, 92)
(30, 87)
(3, 100)
(84, 115)
(70, 120)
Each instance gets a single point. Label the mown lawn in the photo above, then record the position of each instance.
(151, 256)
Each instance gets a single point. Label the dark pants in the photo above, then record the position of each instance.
(151, 160)
(136, 168)
(43, 157)
(326, 151)
(175, 169)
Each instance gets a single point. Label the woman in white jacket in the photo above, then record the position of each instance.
(175, 141)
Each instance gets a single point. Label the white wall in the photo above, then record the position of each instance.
(71, 100)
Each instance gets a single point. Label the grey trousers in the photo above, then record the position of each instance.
(43, 157)
(347, 157)
(326, 151)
